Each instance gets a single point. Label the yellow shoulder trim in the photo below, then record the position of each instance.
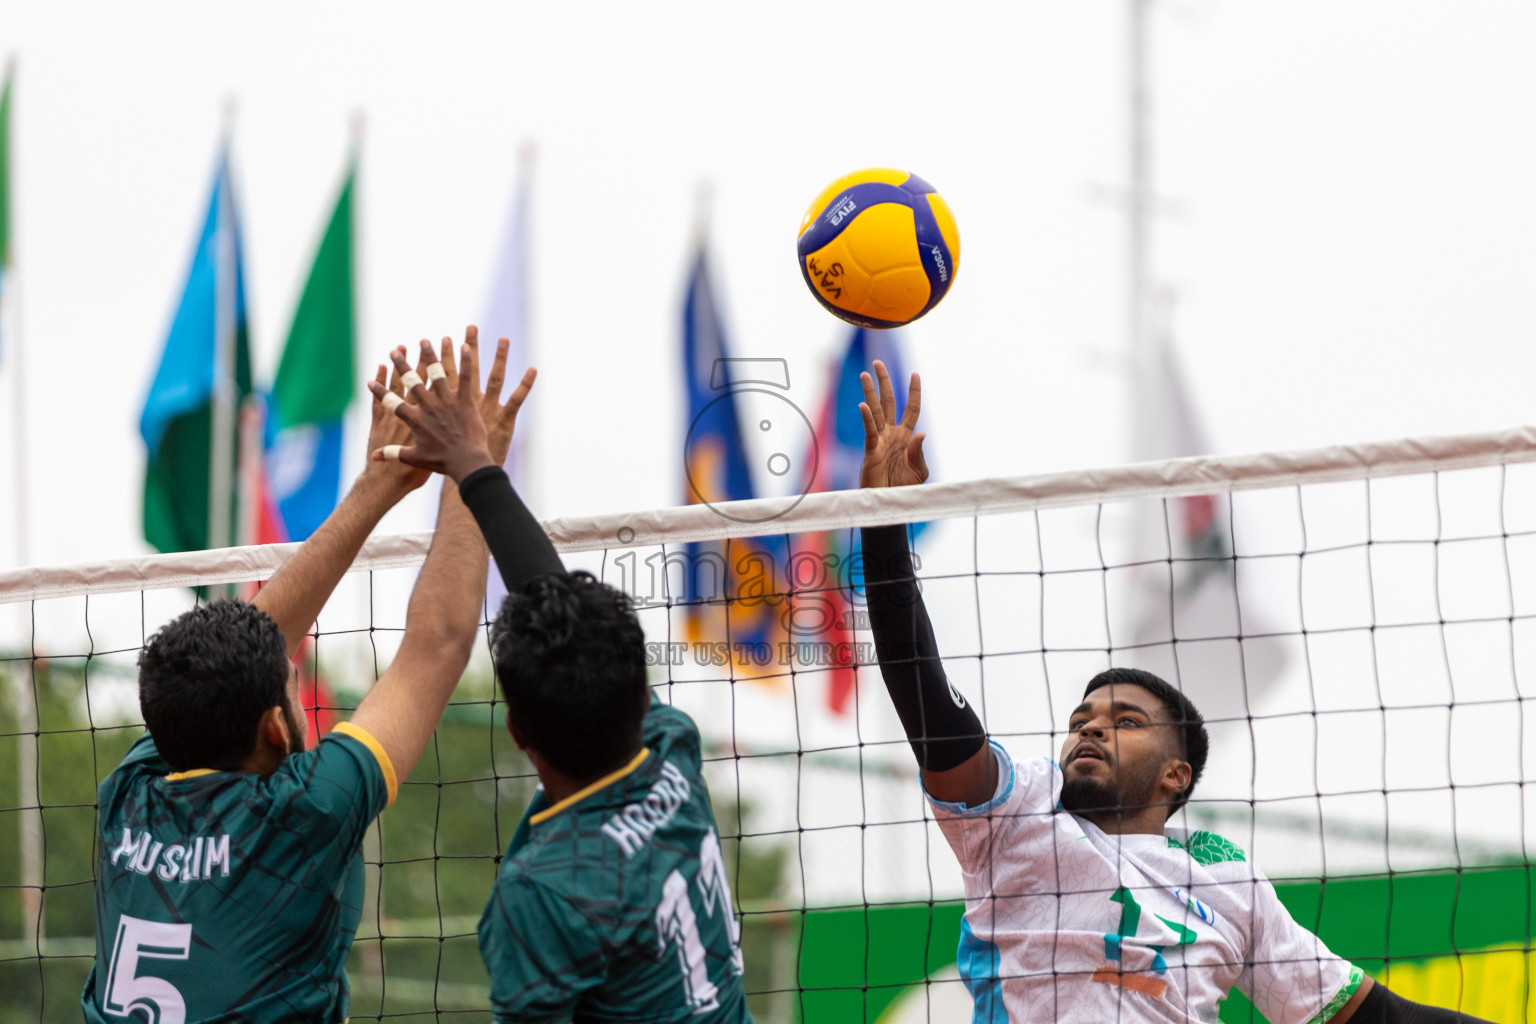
(586, 791)
(194, 773)
(365, 737)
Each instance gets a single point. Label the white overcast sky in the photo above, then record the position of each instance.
(1350, 231)
(1350, 239)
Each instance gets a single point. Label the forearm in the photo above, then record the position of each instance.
(516, 540)
(446, 604)
(944, 735)
(403, 708)
(295, 595)
(1377, 1005)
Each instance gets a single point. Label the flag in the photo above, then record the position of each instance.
(731, 589)
(5, 189)
(507, 317)
(188, 458)
(840, 444)
(315, 382)
(1196, 600)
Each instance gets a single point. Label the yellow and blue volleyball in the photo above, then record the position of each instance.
(879, 247)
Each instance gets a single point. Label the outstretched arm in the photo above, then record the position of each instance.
(449, 439)
(1374, 1004)
(947, 737)
(402, 709)
(298, 591)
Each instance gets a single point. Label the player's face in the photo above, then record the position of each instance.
(1118, 742)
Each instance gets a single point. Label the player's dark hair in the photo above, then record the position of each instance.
(1190, 723)
(206, 678)
(570, 656)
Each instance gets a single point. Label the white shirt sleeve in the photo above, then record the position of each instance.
(1288, 974)
(1025, 793)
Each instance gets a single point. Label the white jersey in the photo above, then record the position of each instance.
(1066, 923)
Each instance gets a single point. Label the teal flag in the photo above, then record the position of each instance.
(177, 423)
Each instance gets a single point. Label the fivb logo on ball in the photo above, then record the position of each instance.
(879, 248)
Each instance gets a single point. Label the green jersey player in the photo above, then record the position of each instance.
(229, 880)
(612, 903)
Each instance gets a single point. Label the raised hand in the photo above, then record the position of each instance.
(500, 420)
(385, 430)
(443, 414)
(893, 454)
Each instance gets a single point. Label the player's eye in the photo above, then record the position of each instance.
(1074, 726)
(1127, 720)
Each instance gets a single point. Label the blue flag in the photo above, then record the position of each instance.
(732, 588)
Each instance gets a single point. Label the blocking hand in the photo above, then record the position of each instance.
(893, 454)
(385, 430)
(443, 413)
(500, 420)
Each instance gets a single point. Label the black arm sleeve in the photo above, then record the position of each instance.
(1383, 1007)
(941, 727)
(518, 543)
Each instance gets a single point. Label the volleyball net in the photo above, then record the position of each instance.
(1357, 625)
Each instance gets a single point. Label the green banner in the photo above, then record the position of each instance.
(1456, 939)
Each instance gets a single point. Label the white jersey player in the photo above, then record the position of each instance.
(1081, 906)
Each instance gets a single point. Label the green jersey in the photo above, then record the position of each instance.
(613, 904)
(225, 896)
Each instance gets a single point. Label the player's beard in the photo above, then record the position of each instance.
(1126, 789)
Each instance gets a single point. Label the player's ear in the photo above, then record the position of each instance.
(1177, 774)
(517, 737)
(273, 729)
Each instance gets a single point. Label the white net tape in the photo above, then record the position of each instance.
(1172, 478)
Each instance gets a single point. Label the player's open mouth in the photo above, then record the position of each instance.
(1088, 753)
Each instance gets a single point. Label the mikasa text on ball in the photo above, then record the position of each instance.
(879, 247)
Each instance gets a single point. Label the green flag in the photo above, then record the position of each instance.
(316, 382)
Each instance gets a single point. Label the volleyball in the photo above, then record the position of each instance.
(879, 247)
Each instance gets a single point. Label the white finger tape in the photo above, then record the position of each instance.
(409, 379)
(392, 452)
(392, 402)
(435, 371)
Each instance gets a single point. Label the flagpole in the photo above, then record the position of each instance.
(222, 439)
(703, 207)
(372, 953)
(527, 155)
(1139, 224)
(25, 684)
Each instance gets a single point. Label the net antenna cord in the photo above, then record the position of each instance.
(1172, 478)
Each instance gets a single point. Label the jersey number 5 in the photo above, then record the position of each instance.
(677, 924)
(126, 990)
